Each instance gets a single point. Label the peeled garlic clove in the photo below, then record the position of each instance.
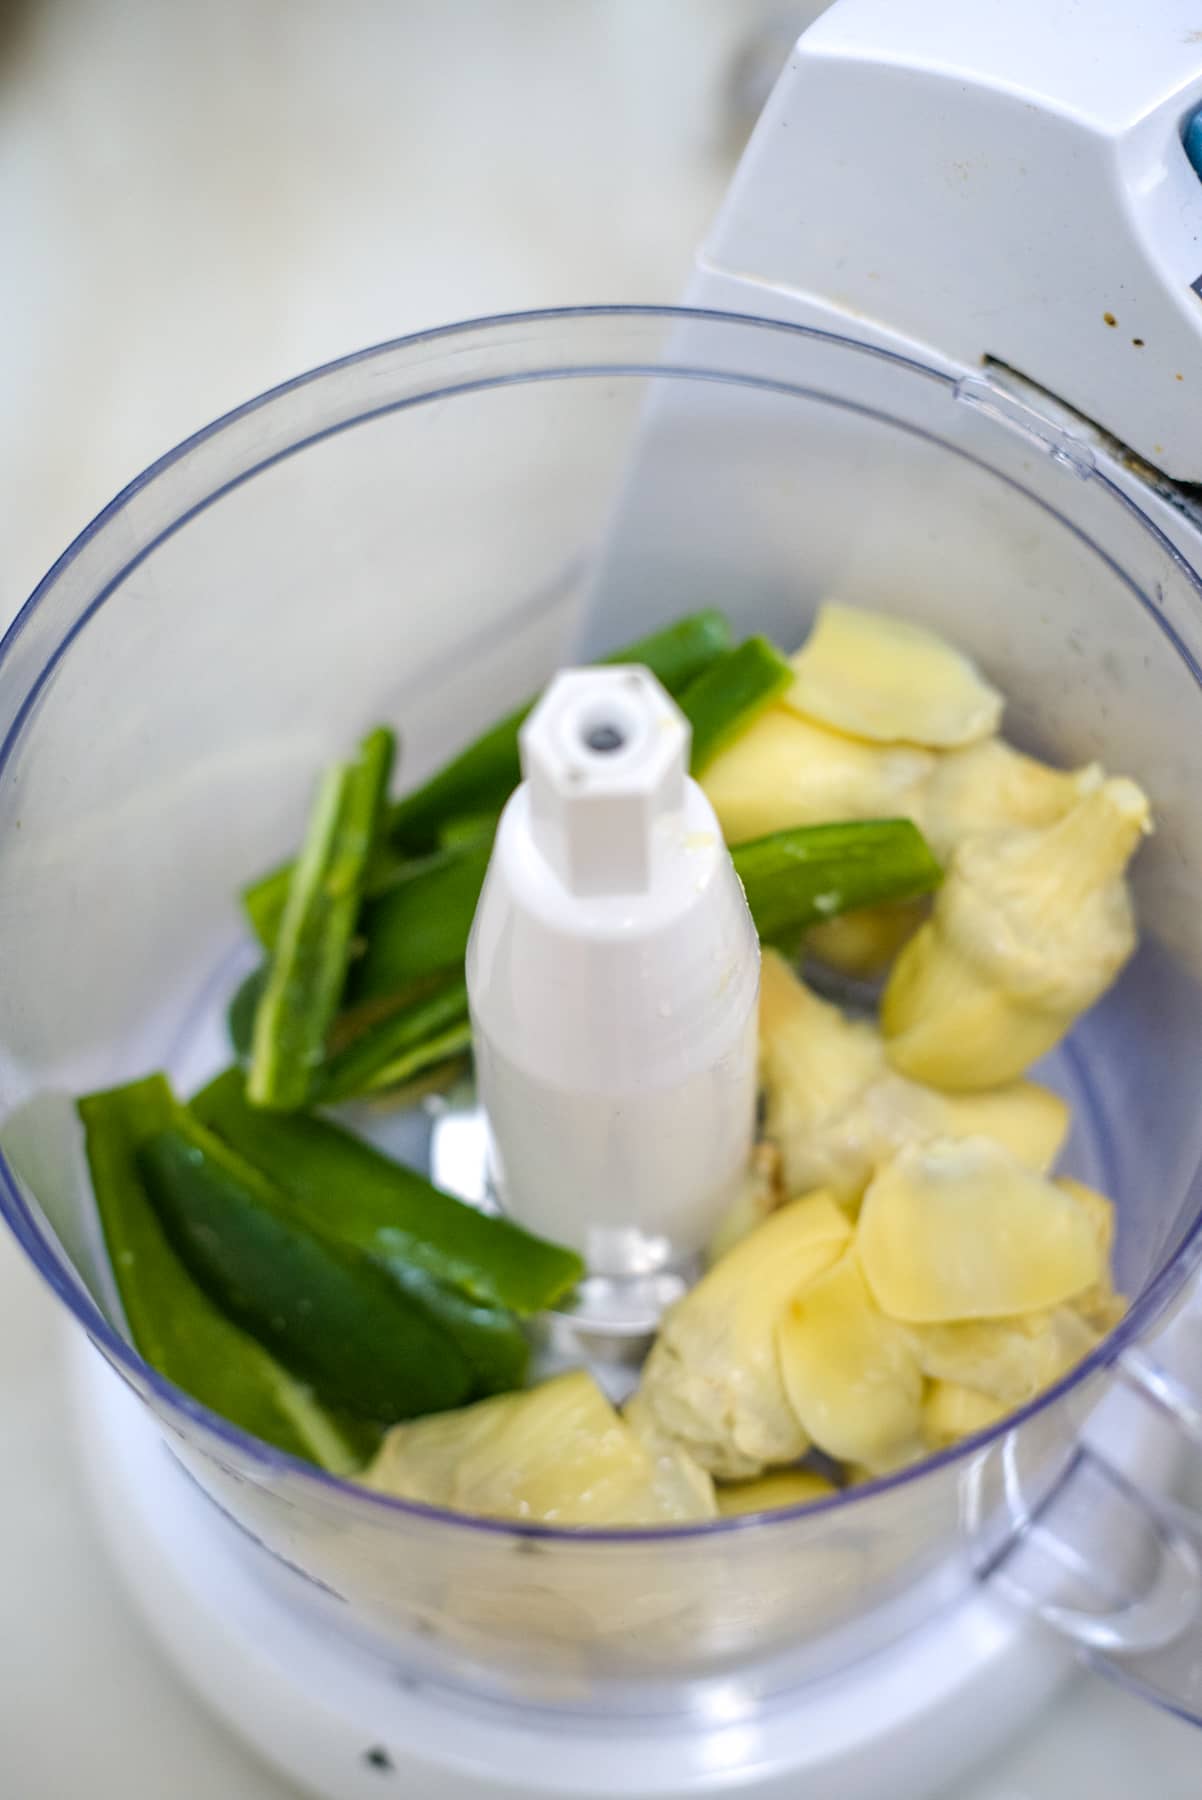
(858, 1474)
(1100, 1307)
(862, 944)
(784, 771)
(1008, 1360)
(760, 1194)
(1029, 928)
(808, 1044)
(558, 1453)
(835, 1112)
(1028, 1120)
(1098, 1209)
(948, 1024)
(788, 1487)
(889, 680)
(951, 1412)
(712, 1383)
(851, 1374)
(681, 1485)
(813, 1063)
(420, 1460)
(993, 787)
(959, 1229)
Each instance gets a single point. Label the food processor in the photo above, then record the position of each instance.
(940, 359)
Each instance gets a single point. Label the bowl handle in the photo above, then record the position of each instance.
(1109, 1560)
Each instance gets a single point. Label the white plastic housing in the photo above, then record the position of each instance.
(1003, 180)
(613, 973)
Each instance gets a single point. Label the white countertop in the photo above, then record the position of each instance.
(207, 200)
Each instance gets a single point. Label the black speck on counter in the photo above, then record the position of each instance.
(376, 1758)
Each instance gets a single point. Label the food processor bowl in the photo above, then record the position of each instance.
(421, 534)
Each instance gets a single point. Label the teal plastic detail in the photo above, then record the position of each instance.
(1192, 139)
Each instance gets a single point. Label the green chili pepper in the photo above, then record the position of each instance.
(797, 878)
(173, 1324)
(726, 697)
(387, 1210)
(400, 1047)
(309, 961)
(240, 1014)
(420, 925)
(330, 1314)
(490, 1338)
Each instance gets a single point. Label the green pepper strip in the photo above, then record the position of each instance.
(397, 1049)
(173, 1324)
(387, 1210)
(725, 698)
(420, 925)
(797, 878)
(309, 962)
(331, 1315)
(793, 879)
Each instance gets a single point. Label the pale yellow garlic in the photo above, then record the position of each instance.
(863, 943)
(1028, 1120)
(1099, 1306)
(1008, 1360)
(951, 1412)
(788, 1487)
(1029, 929)
(959, 1229)
(680, 1482)
(883, 678)
(993, 787)
(784, 771)
(712, 1382)
(1098, 1209)
(760, 1193)
(851, 1374)
(835, 1112)
(814, 1063)
(857, 1474)
(557, 1453)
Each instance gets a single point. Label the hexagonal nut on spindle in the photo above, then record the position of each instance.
(604, 753)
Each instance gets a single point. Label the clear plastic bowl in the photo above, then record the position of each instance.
(420, 533)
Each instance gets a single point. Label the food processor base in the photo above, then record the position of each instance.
(335, 1721)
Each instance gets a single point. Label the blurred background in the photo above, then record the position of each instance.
(197, 201)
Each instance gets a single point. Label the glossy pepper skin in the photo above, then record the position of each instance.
(794, 879)
(723, 699)
(332, 1316)
(171, 1320)
(307, 971)
(386, 1209)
